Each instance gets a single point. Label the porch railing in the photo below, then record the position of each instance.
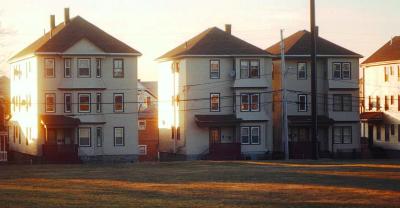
(3, 156)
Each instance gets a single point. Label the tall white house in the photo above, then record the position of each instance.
(337, 97)
(215, 98)
(381, 84)
(74, 95)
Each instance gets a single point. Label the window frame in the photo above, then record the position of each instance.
(99, 65)
(90, 136)
(299, 103)
(219, 102)
(250, 135)
(219, 69)
(122, 104)
(335, 70)
(250, 102)
(305, 71)
(342, 139)
(78, 68)
(66, 103)
(55, 102)
(66, 60)
(342, 103)
(99, 140)
(45, 69)
(89, 104)
(343, 69)
(122, 65)
(139, 126)
(123, 136)
(249, 61)
(99, 105)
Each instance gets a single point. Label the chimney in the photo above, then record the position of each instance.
(228, 28)
(52, 22)
(66, 16)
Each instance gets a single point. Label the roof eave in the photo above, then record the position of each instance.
(320, 55)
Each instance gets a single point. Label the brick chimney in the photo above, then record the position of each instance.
(66, 16)
(228, 28)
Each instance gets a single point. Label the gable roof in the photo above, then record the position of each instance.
(388, 52)
(299, 44)
(214, 41)
(63, 36)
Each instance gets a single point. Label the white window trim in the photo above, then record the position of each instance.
(145, 149)
(99, 102)
(78, 68)
(211, 102)
(79, 102)
(248, 134)
(54, 101)
(65, 102)
(65, 67)
(90, 137)
(299, 104)
(122, 67)
(334, 69)
(218, 71)
(123, 102)
(99, 144)
(298, 71)
(140, 126)
(45, 69)
(342, 73)
(99, 64)
(123, 136)
(251, 134)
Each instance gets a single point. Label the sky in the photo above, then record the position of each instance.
(154, 27)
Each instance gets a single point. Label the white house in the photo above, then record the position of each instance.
(337, 97)
(74, 95)
(215, 99)
(381, 83)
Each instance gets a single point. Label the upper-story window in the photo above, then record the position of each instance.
(214, 102)
(49, 68)
(118, 68)
(249, 69)
(84, 103)
(67, 67)
(302, 103)
(67, 103)
(119, 102)
(341, 70)
(98, 67)
(98, 102)
(301, 70)
(250, 102)
(50, 102)
(83, 67)
(214, 69)
(386, 71)
(342, 103)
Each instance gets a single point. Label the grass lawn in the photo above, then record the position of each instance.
(204, 184)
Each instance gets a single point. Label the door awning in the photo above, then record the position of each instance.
(59, 121)
(307, 120)
(216, 120)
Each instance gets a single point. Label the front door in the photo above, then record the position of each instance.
(370, 134)
(215, 135)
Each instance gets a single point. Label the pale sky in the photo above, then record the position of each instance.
(156, 26)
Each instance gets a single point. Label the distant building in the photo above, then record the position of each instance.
(148, 120)
(381, 117)
(337, 89)
(3, 130)
(73, 94)
(215, 99)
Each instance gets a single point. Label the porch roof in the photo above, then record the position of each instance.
(59, 121)
(216, 120)
(372, 116)
(307, 120)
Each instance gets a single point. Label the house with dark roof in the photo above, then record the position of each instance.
(337, 88)
(381, 82)
(215, 100)
(73, 92)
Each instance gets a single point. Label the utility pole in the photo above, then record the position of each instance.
(285, 129)
(314, 127)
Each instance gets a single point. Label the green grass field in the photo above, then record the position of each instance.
(204, 184)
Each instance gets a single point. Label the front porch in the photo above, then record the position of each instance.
(60, 134)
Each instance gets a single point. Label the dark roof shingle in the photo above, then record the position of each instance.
(214, 41)
(388, 52)
(300, 44)
(64, 36)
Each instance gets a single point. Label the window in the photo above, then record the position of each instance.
(249, 69)
(250, 102)
(342, 135)
(84, 137)
(142, 149)
(250, 135)
(391, 100)
(98, 67)
(67, 103)
(119, 102)
(99, 136)
(337, 70)
(98, 102)
(342, 103)
(49, 68)
(387, 137)
(386, 103)
(50, 102)
(378, 133)
(302, 103)
(83, 67)
(67, 68)
(214, 69)
(119, 136)
(142, 124)
(370, 104)
(346, 71)
(214, 102)
(84, 103)
(341, 70)
(301, 71)
(378, 103)
(118, 68)
(386, 74)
